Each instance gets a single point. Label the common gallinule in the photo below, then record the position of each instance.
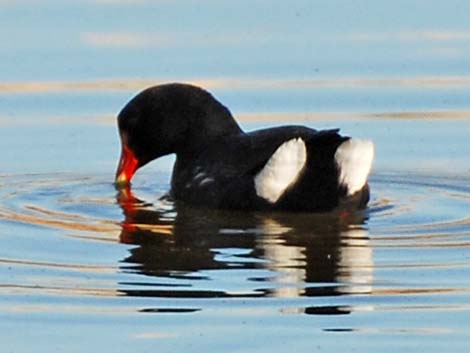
(218, 165)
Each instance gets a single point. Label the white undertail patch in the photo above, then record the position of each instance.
(354, 160)
(281, 170)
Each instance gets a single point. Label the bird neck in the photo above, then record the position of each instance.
(205, 130)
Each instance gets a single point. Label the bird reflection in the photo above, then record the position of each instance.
(291, 255)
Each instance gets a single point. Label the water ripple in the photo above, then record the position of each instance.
(412, 242)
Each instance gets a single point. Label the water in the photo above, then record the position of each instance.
(79, 260)
(83, 267)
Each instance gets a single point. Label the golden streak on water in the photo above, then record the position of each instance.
(131, 84)
(465, 244)
(103, 226)
(72, 309)
(61, 215)
(408, 291)
(27, 289)
(154, 335)
(445, 224)
(272, 117)
(79, 267)
(435, 265)
(417, 330)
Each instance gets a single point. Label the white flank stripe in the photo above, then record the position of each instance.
(354, 159)
(281, 170)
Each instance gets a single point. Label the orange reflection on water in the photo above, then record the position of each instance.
(133, 84)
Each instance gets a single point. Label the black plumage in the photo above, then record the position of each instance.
(216, 162)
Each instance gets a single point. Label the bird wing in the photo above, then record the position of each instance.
(236, 171)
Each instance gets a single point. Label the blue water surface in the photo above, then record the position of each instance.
(83, 268)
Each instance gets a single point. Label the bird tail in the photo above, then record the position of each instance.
(354, 159)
